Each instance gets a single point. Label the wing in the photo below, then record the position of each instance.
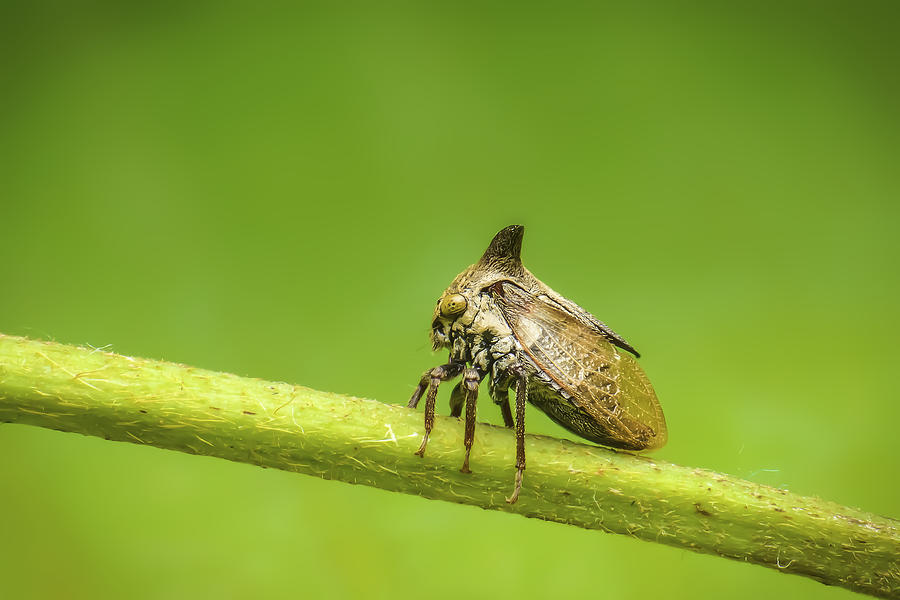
(593, 322)
(604, 394)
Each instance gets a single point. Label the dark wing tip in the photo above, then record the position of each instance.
(616, 340)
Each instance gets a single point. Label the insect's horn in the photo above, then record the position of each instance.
(506, 248)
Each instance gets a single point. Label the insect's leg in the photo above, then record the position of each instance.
(501, 399)
(500, 393)
(507, 413)
(457, 400)
(471, 378)
(521, 397)
(420, 389)
(432, 379)
(443, 372)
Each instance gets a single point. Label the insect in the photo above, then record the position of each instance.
(499, 321)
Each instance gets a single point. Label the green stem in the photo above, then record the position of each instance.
(362, 441)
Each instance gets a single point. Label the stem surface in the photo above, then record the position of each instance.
(366, 442)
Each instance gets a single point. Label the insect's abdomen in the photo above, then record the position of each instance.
(577, 420)
(578, 376)
(610, 420)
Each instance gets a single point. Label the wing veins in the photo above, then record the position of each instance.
(633, 409)
(583, 394)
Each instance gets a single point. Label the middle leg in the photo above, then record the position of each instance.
(471, 378)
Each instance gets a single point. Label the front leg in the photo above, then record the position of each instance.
(441, 373)
(431, 379)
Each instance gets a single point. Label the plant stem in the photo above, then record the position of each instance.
(366, 442)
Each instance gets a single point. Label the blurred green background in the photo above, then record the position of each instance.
(283, 191)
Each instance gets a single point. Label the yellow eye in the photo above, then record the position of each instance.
(453, 304)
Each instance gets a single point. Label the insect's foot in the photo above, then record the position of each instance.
(421, 451)
(465, 468)
(515, 495)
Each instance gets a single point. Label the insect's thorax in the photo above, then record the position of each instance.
(479, 336)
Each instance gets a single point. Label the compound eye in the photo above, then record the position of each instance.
(453, 304)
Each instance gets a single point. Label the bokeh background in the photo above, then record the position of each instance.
(284, 191)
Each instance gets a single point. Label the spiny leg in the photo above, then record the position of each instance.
(429, 415)
(432, 379)
(521, 397)
(471, 378)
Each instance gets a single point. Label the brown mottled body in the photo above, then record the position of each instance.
(499, 321)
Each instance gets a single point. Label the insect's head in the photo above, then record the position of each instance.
(461, 301)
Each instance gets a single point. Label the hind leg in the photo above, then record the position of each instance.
(521, 397)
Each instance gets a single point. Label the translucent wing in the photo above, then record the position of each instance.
(590, 386)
